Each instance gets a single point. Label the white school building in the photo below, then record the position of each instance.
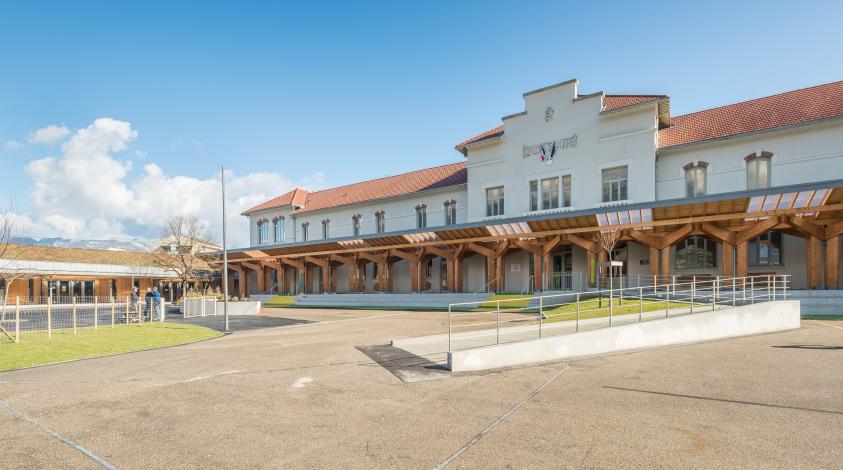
(750, 188)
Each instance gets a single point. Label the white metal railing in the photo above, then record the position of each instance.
(556, 281)
(526, 318)
(199, 306)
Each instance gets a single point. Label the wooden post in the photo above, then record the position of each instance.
(491, 274)
(814, 261)
(665, 261)
(450, 273)
(538, 271)
(458, 280)
(326, 278)
(654, 261)
(832, 263)
(727, 259)
(73, 311)
(742, 261)
(50, 317)
(17, 319)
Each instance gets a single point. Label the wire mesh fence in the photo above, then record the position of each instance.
(39, 319)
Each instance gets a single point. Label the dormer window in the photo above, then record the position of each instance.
(758, 166)
(695, 178)
(421, 216)
(263, 231)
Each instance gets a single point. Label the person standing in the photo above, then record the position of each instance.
(148, 297)
(156, 302)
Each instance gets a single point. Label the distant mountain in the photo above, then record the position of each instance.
(117, 245)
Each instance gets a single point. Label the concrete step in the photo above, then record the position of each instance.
(815, 294)
(387, 300)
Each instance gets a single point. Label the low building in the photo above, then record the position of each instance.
(747, 188)
(33, 273)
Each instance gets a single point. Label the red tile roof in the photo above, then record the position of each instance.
(296, 197)
(610, 103)
(391, 186)
(785, 109)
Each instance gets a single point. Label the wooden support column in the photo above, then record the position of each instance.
(832, 263)
(813, 258)
(654, 261)
(539, 268)
(241, 282)
(413, 259)
(491, 273)
(742, 259)
(727, 259)
(665, 261)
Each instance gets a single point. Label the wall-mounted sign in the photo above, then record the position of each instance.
(546, 151)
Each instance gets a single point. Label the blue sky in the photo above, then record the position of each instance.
(326, 93)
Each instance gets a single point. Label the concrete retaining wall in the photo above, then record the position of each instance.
(234, 308)
(733, 322)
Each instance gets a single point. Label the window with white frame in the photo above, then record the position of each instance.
(304, 229)
(695, 179)
(278, 226)
(494, 201)
(615, 182)
(421, 216)
(326, 229)
(263, 231)
(355, 225)
(758, 167)
(450, 212)
(550, 193)
(696, 253)
(380, 222)
(766, 250)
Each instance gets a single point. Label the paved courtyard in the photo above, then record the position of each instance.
(313, 395)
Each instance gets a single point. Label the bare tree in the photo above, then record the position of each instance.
(607, 239)
(183, 250)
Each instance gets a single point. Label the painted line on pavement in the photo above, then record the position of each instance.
(96, 458)
(498, 421)
(828, 325)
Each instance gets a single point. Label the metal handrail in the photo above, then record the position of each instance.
(485, 287)
(686, 297)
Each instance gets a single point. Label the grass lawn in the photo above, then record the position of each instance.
(594, 308)
(88, 343)
(508, 301)
(808, 316)
(280, 301)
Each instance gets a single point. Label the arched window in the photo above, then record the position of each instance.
(421, 216)
(380, 223)
(758, 170)
(695, 178)
(263, 231)
(326, 229)
(355, 225)
(278, 225)
(450, 212)
(696, 253)
(304, 229)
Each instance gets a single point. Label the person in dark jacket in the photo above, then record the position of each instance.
(148, 297)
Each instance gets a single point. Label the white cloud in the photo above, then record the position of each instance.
(48, 135)
(88, 192)
(12, 145)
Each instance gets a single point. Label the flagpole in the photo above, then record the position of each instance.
(224, 252)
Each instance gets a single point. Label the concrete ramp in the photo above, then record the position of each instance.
(726, 323)
(384, 300)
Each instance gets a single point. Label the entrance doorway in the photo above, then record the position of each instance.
(562, 265)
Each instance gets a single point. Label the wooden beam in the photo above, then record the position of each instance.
(551, 245)
(536, 250)
(804, 225)
(483, 250)
(814, 261)
(375, 257)
(832, 263)
(671, 238)
(718, 232)
(408, 256)
(755, 230)
(586, 245)
(833, 230)
(444, 253)
(644, 239)
(321, 262)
